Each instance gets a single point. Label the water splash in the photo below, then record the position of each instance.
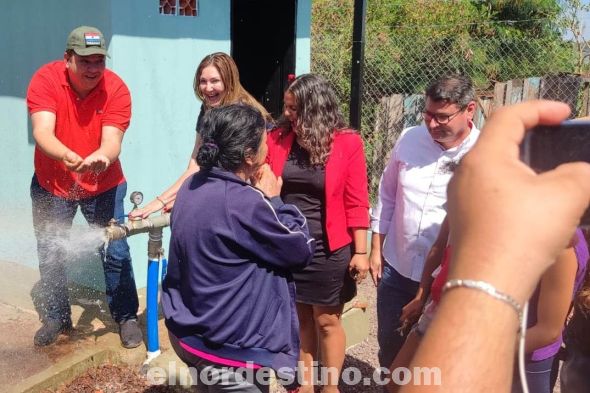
(79, 241)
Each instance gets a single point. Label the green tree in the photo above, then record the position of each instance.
(571, 22)
(408, 43)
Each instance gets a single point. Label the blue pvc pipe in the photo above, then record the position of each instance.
(153, 341)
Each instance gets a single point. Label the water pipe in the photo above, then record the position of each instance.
(154, 226)
(155, 256)
(116, 231)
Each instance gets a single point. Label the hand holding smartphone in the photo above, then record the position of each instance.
(546, 147)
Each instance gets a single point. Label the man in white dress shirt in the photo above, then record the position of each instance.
(412, 193)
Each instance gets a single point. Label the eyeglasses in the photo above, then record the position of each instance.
(439, 117)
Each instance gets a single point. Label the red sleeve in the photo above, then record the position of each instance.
(356, 192)
(41, 94)
(278, 149)
(118, 111)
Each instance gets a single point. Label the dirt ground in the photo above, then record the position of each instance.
(19, 358)
(111, 378)
(125, 379)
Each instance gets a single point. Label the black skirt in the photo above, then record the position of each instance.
(326, 281)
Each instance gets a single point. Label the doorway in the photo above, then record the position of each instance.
(263, 47)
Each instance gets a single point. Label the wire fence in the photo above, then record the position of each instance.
(398, 68)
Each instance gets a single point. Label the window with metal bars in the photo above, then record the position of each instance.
(178, 7)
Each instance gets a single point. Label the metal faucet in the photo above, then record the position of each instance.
(153, 225)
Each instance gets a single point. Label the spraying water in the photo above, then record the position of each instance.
(80, 241)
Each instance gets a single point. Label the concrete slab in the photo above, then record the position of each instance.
(356, 325)
(15, 285)
(65, 370)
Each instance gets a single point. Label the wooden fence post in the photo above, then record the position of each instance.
(530, 89)
(499, 94)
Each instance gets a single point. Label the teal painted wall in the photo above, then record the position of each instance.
(303, 40)
(156, 55)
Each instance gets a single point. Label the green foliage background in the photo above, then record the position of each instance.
(411, 42)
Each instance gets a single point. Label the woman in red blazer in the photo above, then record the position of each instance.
(324, 174)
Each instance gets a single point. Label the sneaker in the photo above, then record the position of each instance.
(130, 333)
(50, 330)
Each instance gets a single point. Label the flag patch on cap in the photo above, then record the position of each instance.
(92, 39)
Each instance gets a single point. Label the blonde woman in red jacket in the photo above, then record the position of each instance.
(324, 174)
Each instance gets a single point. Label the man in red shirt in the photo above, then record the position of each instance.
(79, 112)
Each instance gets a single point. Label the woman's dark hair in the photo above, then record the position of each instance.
(318, 116)
(578, 326)
(583, 297)
(230, 134)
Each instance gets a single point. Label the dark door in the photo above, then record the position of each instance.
(263, 46)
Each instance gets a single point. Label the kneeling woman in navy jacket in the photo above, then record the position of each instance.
(228, 297)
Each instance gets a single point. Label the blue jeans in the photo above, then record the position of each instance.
(393, 293)
(52, 221)
(538, 376)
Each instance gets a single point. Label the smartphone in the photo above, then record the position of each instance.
(546, 147)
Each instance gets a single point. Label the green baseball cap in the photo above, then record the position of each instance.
(86, 41)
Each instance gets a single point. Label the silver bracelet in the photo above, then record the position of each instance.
(486, 288)
(162, 202)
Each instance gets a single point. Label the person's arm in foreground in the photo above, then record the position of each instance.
(411, 311)
(166, 199)
(507, 232)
